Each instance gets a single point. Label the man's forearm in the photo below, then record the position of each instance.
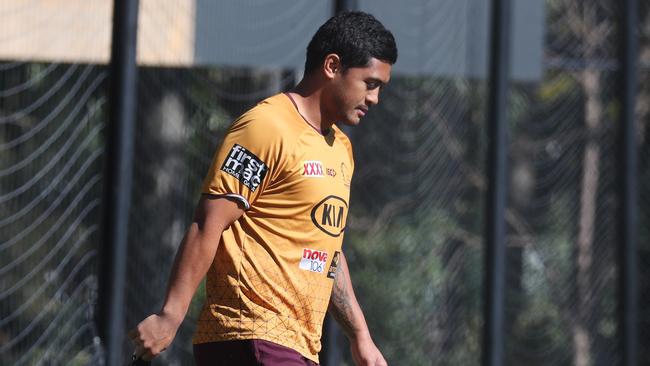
(196, 253)
(344, 306)
(192, 261)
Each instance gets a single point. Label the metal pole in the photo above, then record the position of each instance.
(340, 6)
(628, 265)
(343, 5)
(119, 166)
(493, 338)
(332, 336)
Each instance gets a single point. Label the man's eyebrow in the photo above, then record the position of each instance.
(375, 80)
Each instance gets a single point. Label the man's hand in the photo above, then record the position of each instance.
(365, 353)
(153, 335)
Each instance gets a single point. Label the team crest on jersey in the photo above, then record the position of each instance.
(245, 166)
(312, 168)
(313, 260)
(345, 175)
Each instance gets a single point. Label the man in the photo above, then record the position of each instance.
(269, 226)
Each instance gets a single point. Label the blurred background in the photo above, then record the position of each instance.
(417, 234)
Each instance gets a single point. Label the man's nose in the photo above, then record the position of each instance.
(372, 97)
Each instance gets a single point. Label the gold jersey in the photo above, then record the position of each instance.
(273, 272)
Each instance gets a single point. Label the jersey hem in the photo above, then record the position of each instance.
(239, 337)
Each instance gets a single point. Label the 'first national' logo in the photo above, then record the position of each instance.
(245, 166)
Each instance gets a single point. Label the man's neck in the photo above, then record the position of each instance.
(307, 97)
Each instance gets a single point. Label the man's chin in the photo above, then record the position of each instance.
(351, 122)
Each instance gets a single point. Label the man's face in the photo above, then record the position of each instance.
(356, 89)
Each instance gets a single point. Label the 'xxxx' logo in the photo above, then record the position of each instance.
(312, 168)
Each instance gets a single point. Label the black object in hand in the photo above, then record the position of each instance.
(137, 361)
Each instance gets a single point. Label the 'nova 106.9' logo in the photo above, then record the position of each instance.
(313, 260)
(329, 215)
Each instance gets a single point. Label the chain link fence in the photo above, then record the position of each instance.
(51, 120)
(562, 216)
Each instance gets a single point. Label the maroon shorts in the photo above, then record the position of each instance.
(254, 352)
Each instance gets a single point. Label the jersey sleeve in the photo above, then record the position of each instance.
(245, 161)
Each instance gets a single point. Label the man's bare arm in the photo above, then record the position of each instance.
(347, 312)
(197, 251)
(343, 304)
(194, 257)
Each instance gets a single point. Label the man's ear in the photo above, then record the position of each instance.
(331, 65)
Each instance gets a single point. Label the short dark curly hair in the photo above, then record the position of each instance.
(355, 37)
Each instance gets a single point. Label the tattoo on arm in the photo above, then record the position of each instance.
(341, 303)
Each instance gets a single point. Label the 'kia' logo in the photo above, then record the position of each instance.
(329, 215)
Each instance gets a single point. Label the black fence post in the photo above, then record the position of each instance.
(495, 272)
(118, 179)
(628, 224)
(340, 6)
(332, 339)
(343, 5)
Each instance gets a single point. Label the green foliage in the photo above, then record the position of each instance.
(400, 281)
